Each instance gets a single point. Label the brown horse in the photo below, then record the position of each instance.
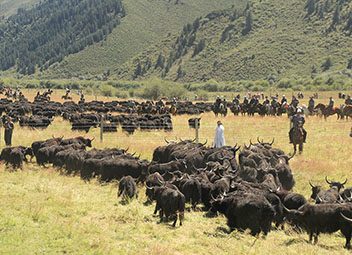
(327, 111)
(298, 139)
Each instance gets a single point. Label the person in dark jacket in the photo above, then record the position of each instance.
(298, 121)
(8, 132)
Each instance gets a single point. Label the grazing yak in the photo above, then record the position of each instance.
(323, 218)
(127, 188)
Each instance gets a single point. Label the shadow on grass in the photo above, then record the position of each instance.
(220, 232)
(294, 241)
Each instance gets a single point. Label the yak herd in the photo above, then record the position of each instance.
(251, 186)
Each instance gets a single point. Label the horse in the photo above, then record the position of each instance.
(220, 109)
(235, 109)
(326, 111)
(298, 138)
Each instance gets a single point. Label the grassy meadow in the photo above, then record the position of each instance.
(45, 212)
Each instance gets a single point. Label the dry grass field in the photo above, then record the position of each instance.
(44, 212)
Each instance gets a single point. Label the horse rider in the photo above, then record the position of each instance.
(331, 103)
(294, 101)
(266, 101)
(217, 101)
(311, 104)
(274, 102)
(245, 100)
(236, 101)
(224, 102)
(348, 100)
(298, 121)
(284, 99)
(254, 100)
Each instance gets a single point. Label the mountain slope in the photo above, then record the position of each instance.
(284, 41)
(146, 23)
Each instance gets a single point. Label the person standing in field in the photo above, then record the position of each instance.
(8, 131)
(219, 140)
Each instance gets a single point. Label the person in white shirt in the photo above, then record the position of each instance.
(219, 140)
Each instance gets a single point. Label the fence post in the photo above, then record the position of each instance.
(101, 128)
(197, 130)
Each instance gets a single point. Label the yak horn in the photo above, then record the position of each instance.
(272, 142)
(319, 199)
(344, 182)
(326, 179)
(311, 185)
(291, 156)
(148, 187)
(166, 140)
(211, 195)
(292, 210)
(345, 218)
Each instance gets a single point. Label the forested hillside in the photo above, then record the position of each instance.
(146, 23)
(180, 40)
(45, 34)
(9, 7)
(267, 40)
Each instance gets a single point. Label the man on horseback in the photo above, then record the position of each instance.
(348, 100)
(298, 121)
(284, 99)
(217, 101)
(236, 101)
(266, 101)
(331, 104)
(245, 101)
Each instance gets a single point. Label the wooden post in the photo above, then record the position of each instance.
(102, 128)
(197, 130)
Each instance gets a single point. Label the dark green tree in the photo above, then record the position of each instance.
(199, 47)
(180, 73)
(137, 71)
(248, 25)
(336, 17)
(160, 62)
(349, 64)
(310, 7)
(327, 64)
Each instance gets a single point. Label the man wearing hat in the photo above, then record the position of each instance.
(8, 131)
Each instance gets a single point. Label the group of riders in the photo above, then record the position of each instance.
(296, 113)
